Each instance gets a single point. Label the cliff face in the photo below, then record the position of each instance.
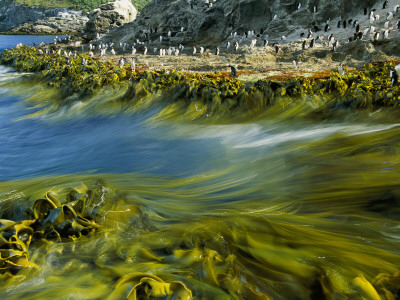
(209, 24)
(13, 14)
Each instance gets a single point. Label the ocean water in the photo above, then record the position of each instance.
(268, 209)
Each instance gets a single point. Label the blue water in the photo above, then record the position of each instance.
(9, 41)
(113, 144)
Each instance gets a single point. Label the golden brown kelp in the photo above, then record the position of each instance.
(141, 244)
(217, 94)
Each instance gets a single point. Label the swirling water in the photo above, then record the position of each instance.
(271, 208)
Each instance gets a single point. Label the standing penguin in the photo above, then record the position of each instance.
(276, 48)
(121, 63)
(133, 65)
(385, 4)
(233, 71)
(394, 77)
(303, 45)
(312, 43)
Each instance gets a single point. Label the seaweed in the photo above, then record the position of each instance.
(369, 87)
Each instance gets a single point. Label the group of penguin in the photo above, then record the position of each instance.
(394, 74)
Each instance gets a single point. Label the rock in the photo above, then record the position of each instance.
(13, 14)
(65, 22)
(212, 24)
(107, 16)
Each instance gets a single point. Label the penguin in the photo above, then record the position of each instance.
(295, 64)
(389, 16)
(194, 50)
(217, 51)
(360, 35)
(276, 48)
(310, 33)
(341, 70)
(265, 43)
(386, 34)
(303, 45)
(236, 46)
(121, 63)
(334, 46)
(145, 50)
(385, 4)
(355, 23)
(344, 24)
(339, 24)
(365, 11)
(349, 22)
(299, 6)
(386, 25)
(394, 77)
(316, 28)
(358, 28)
(228, 45)
(331, 39)
(376, 36)
(315, 9)
(201, 50)
(302, 35)
(326, 28)
(312, 43)
(233, 71)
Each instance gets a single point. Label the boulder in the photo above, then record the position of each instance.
(107, 16)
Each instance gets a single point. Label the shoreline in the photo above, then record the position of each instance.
(205, 94)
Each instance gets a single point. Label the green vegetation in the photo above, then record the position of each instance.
(86, 5)
(205, 95)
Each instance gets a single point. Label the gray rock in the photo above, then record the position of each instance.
(107, 16)
(212, 24)
(65, 22)
(13, 14)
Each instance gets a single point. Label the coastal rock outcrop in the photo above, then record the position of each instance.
(65, 22)
(109, 15)
(212, 21)
(13, 14)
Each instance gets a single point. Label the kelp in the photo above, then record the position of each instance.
(95, 241)
(217, 94)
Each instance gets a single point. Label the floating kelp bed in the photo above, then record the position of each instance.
(99, 242)
(218, 95)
